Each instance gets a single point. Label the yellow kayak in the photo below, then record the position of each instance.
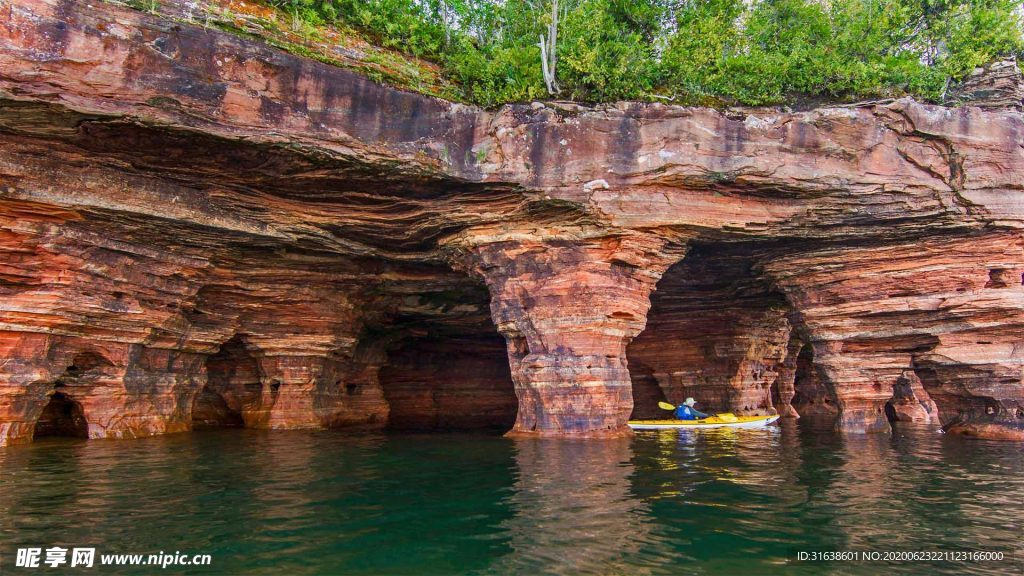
(716, 421)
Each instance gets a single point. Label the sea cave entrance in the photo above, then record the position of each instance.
(812, 399)
(62, 416)
(232, 385)
(434, 382)
(447, 367)
(719, 332)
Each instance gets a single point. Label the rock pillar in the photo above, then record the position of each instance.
(567, 309)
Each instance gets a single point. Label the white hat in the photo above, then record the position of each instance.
(690, 401)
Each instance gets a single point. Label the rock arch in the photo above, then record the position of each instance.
(716, 331)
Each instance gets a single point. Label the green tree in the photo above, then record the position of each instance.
(690, 51)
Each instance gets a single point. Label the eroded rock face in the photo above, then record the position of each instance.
(914, 321)
(999, 85)
(197, 229)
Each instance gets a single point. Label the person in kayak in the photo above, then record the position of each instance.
(686, 411)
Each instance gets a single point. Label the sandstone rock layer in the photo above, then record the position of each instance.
(199, 230)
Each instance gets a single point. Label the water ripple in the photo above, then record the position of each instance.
(717, 501)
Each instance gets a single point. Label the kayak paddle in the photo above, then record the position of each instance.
(724, 416)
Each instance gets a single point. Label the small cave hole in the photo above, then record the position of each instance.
(84, 362)
(211, 410)
(275, 385)
(233, 385)
(1020, 412)
(890, 413)
(62, 417)
(351, 389)
(998, 278)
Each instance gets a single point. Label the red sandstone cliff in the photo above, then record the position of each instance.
(197, 229)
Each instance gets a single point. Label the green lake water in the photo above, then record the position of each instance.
(704, 502)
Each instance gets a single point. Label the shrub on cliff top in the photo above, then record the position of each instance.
(690, 51)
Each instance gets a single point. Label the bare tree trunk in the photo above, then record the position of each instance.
(552, 52)
(548, 46)
(445, 23)
(544, 65)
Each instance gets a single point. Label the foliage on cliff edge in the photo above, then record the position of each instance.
(708, 52)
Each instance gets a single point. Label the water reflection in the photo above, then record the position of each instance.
(918, 490)
(707, 502)
(750, 500)
(53, 492)
(574, 510)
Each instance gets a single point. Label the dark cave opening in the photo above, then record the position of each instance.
(84, 362)
(647, 393)
(210, 410)
(62, 417)
(716, 331)
(440, 382)
(232, 384)
(952, 404)
(890, 413)
(443, 364)
(812, 399)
